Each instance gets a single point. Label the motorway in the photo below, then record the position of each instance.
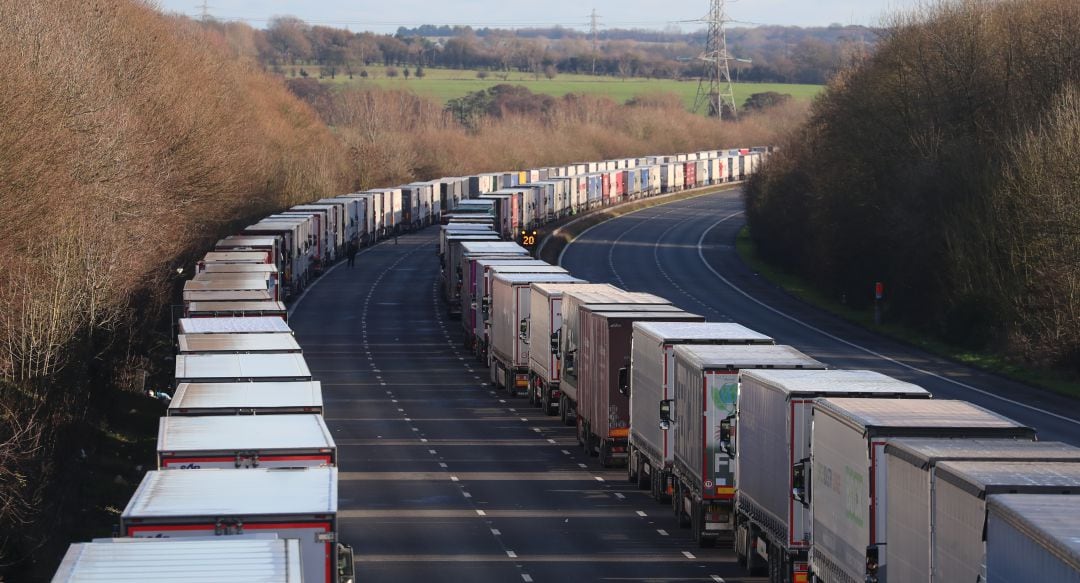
(443, 479)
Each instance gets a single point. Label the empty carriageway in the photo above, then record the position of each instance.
(444, 480)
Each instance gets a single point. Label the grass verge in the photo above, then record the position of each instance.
(1053, 380)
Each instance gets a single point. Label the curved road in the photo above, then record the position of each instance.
(442, 479)
(685, 251)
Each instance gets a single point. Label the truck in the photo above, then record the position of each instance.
(545, 322)
(233, 309)
(509, 326)
(250, 441)
(774, 420)
(292, 503)
(1033, 537)
(237, 559)
(235, 368)
(700, 414)
(484, 288)
(570, 335)
(959, 510)
(237, 343)
(603, 401)
(260, 325)
(848, 494)
(470, 294)
(652, 376)
(247, 398)
(458, 267)
(911, 464)
(451, 274)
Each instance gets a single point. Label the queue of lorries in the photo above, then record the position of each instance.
(808, 471)
(811, 473)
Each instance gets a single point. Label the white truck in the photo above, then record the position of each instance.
(509, 326)
(774, 421)
(247, 398)
(237, 559)
(959, 511)
(263, 325)
(485, 287)
(848, 496)
(236, 368)
(1033, 537)
(247, 441)
(911, 466)
(545, 324)
(237, 343)
(291, 503)
(652, 378)
(700, 414)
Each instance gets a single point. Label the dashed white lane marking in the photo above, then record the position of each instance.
(563, 450)
(416, 429)
(407, 419)
(511, 554)
(551, 441)
(502, 400)
(495, 532)
(598, 478)
(582, 466)
(688, 555)
(466, 494)
(525, 420)
(512, 410)
(717, 578)
(481, 513)
(453, 478)
(442, 464)
(401, 410)
(662, 532)
(536, 429)
(431, 451)
(526, 578)
(641, 513)
(423, 440)
(620, 496)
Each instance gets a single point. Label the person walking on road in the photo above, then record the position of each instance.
(351, 253)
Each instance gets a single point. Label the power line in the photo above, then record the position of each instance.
(714, 87)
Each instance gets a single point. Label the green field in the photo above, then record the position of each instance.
(446, 84)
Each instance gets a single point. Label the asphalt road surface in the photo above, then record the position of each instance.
(685, 252)
(443, 480)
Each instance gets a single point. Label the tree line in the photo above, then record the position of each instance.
(945, 165)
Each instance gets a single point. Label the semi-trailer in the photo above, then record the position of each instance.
(291, 503)
(959, 511)
(652, 376)
(1033, 537)
(247, 398)
(457, 271)
(774, 420)
(545, 323)
(700, 414)
(237, 343)
(451, 275)
(248, 441)
(570, 334)
(236, 559)
(483, 302)
(251, 295)
(470, 294)
(255, 309)
(848, 496)
(911, 464)
(237, 368)
(509, 326)
(603, 401)
(263, 325)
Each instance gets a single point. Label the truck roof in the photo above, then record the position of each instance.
(557, 289)
(1054, 520)
(238, 559)
(190, 343)
(738, 356)
(237, 307)
(509, 260)
(527, 278)
(908, 417)
(241, 366)
(226, 267)
(258, 324)
(216, 492)
(249, 257)
(850, 383)
(299, 394)
(988, 477)
(614, 295)
(228, 284)
(926, 451)
(243, 433)
(684, 331)
(526, 268)
(629, 313)
(245, 295)
(236, 241)
(493, 247)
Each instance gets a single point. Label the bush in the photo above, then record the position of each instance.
(481, 75)
(391, 72)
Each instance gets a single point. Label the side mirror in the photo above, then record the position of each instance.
(727, 435)
(800, 481)
(665, 414)
(624, 381)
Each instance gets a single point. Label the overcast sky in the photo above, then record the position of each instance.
(383, 16)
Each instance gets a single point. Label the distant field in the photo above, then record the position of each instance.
(446, 84)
